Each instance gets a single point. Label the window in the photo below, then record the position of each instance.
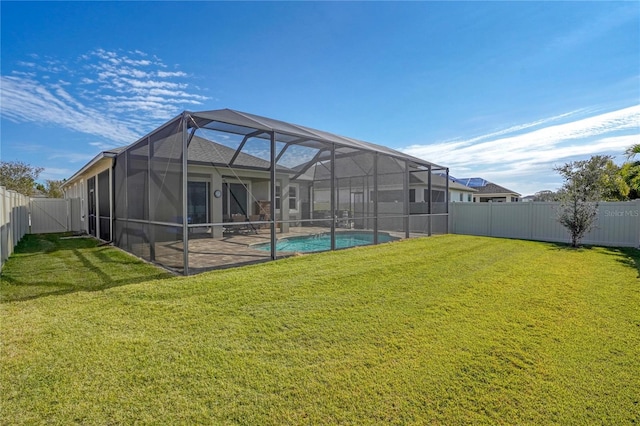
(293, 197)
(469, 197)
(389, 196)
(461, 196)
(436, 196)
(412, 195)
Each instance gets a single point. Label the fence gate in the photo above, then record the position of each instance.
(50, 215)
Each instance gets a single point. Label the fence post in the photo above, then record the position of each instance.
(490, 219)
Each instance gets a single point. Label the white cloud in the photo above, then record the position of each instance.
(518, 159)
(109, 94)
(164, 74)
(73, 157)
(54, 173)
(26, 100)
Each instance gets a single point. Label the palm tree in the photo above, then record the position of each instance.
(633, 151)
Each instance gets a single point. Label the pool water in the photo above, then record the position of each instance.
(322, 242)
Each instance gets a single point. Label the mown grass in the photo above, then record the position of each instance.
(444, 330)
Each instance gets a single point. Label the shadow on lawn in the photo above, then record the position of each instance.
(627, 256)
(101, 268)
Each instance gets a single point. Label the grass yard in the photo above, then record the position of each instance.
(443, 330)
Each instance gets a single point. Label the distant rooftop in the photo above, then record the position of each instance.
(482, 185)
(474, 182)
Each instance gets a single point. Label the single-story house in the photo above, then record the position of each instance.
(488, 191)
(253, 188)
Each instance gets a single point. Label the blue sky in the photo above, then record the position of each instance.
(500, 90)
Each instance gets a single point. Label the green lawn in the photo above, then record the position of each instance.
(443, 330)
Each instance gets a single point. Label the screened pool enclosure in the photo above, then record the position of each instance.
(222, 188)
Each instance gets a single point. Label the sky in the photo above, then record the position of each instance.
(499, 90)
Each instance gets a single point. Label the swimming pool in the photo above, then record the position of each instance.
(322, 242)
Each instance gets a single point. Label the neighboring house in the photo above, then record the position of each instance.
(488, 192)
(251, 173)
(459, 193)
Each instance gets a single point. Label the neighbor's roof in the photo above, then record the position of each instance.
(440, 182)
(483, 186)
(492, 188)
(244, 123)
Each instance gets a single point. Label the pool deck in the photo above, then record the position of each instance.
(207, 253)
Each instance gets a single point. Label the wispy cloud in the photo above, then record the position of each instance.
(524, 152)
(116, 96)
(27, 100)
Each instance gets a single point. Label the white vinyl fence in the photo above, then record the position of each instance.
(20, 215)
(617, 225)
(49, 215)
(14, 221)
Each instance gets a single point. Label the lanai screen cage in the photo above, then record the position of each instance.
(252, 188)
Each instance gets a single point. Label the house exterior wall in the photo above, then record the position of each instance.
(77, 189)
(496, 198)
(458, 196)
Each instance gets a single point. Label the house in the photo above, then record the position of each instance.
(488, 191)
(249, 183)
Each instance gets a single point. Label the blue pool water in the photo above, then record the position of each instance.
(322, 242)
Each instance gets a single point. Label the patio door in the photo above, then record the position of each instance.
(198, 202)
(235, 199)
(358, 206)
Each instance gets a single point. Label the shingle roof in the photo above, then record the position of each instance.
(492, 188)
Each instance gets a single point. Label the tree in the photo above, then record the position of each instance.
(19, 176)
(53, 188)
(614, 186)
(545, 195)
(633, 150)
(584, 185)
(630, 173)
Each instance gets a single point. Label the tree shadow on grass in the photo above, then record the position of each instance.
(87, 267)
(627, 256)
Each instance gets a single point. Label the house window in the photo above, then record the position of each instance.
(436, 196)
(388, 196)
(412, 195)
(293, 197)
(277, 197)
(461, 196)
(469, 197)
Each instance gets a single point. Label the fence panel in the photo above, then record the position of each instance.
(75, 212)
(14, 221)
(617, 224)
(49, 215)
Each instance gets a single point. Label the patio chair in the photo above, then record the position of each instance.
(242, 223)
(252, 222)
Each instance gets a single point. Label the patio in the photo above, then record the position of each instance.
(206, 253)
